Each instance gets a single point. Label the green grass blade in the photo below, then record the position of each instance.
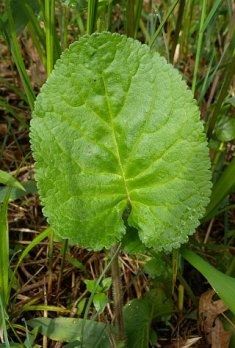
(49, 24)
(91, 16)
(109, 15)
(184, 39)
(228, 76)
(221, 189)
(7, 179)
(13, 88)
(199, 46)
(207, 79)
(212, 13)
(4, 250)
(17, 56)
(171, 9)
(11, 110)
(99, 280)
(26, 251)
(221, 283)
(35, 24)
(177, 29)
(63, 24)
(3, 326)
(130, 15)
(138, 11)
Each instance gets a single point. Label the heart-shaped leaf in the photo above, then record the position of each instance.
(117, 135)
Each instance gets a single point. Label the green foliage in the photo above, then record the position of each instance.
(7, 179)
(175, 30)
(100, 298)
(19, 190)
(96, 335)
(116, 131)
(19, 14)
(223, 186)
(156, 267)
(221, 283)
(139, 315)
(225, 128)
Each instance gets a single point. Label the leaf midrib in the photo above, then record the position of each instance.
(115, 140)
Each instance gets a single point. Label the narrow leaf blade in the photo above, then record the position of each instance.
(222, 284)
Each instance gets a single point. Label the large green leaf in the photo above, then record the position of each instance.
(96, 334)
(115, 130)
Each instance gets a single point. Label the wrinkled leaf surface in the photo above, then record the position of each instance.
(115, 133)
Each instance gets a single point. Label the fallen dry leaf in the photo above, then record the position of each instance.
(210, 324)
(182, 343)
(219, 337)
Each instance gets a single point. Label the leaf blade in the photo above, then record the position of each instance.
(118, 153)
(223, 284)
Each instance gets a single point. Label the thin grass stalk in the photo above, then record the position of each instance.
(187, 288)
(199, 45)
(117, 294)
(4, 253)
(49, 25)
(171, 9)
(212, 13)
(99, 280)
(7, 107)
(45, 234)
(50, 263)
(17, 56)
(3, 326)
(130, 14)
(91, 16)
(63, 22)
(186, 26)
(164, 36)
(221, 189)
(65, 249)
(207, 80)
(228, 76)
(144, 31)
(138, 12)
(109, 15)
(13, 88)
(80, 24)
(35, 24)
(177, 29)
(36, 44)
(36, 33)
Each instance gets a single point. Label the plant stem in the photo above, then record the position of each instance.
(228, 75)
(171, 9)
(130, 25)
(50, 23)
(138, 12)
(117, 294)
(91, 16)
(199, 46)
(177, 29)
(88, 306)
(17, 56)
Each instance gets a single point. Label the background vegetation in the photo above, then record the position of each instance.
(172, 301)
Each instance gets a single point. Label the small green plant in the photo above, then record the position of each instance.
(118, 142)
